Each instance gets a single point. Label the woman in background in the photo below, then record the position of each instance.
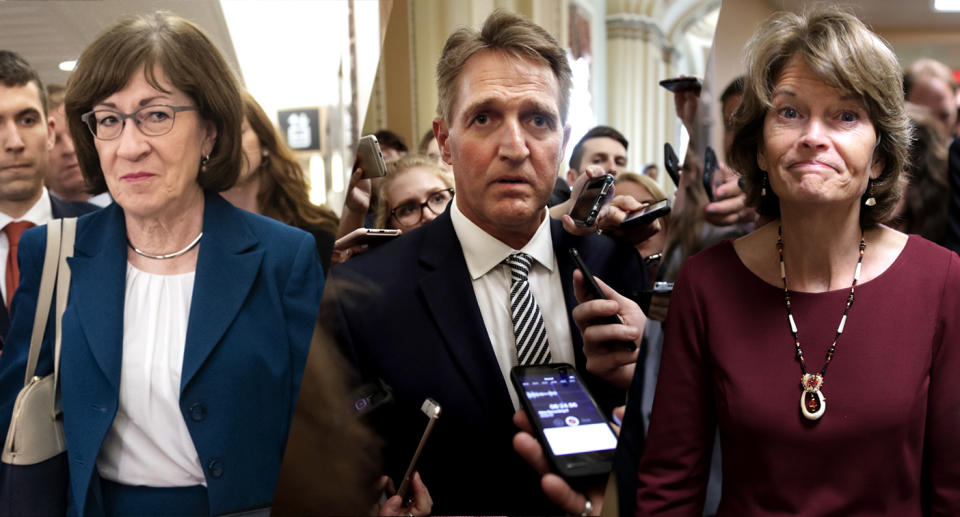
(414, 192)
(272, 183)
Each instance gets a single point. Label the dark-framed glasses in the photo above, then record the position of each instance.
(154, 120)
(411, 212)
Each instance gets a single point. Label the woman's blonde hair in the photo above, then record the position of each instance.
(845, 55)
(397, 169)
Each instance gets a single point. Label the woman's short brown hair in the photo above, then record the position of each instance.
(399, 168)
(845, 55)
(158, 42)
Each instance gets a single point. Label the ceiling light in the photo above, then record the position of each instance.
(68, 66)
(946, 5)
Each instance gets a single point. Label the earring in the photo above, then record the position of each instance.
(871, 201)
(264, 153)
(203, 163)
(763, 185)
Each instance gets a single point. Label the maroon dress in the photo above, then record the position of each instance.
(889, 441)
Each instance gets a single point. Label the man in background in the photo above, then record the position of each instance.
(26, 138)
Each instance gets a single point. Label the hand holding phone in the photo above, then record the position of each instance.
(369, 157)
(597, 294)
(432, 410)
(368, 236)
(575, 437)
(593, 196)
(648, 215)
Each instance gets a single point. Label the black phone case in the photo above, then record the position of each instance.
(595, 468)
(590, 217)
(671, 163)
(597, 294)
(645, 218)
(709, 168)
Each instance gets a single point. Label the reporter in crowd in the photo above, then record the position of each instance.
(272, 183)
(188, 321)
(414, 192)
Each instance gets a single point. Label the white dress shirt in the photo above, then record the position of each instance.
(491, 284)
(39, 214)
(148, 443)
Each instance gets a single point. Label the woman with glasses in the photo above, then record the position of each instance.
(188, 323)
(272, 183)
(415, 191)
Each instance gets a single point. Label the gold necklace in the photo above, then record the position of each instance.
(812, 402)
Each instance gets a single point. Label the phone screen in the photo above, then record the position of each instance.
(571, 422)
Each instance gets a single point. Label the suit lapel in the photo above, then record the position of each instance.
(227, 266)
(98, 280)
(450, 298)
(562, 242)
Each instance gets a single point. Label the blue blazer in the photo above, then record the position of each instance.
(255, 299)
(406, 313)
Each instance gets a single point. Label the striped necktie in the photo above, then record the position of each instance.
(528, 328)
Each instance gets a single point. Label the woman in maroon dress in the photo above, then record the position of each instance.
(755, 323)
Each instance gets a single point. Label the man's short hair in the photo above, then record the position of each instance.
(390, 140)
(597, 132)
(926, 67)
(506, 32)
(15, 71)
(55, 96)
(734, 88)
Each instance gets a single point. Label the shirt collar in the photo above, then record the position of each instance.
(483, 251)
(39, 214)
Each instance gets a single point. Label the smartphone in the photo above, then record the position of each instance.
(597, 294)
(649, 214)
(576, 439)
(432, 410)
(672, 164)
(369, 157)
(709, 168)
(663, 287)
(680, 84)
(595, 193)
(371, 396)
(368, 236)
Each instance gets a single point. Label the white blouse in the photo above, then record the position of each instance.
(148, 443)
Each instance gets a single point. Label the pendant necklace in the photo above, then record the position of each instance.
(175, 254)
(812, 402)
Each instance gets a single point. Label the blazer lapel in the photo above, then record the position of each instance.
(98, 279)
(562, 242)
(450, 298)
(227, 266)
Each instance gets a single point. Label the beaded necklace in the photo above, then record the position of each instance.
(812, 402)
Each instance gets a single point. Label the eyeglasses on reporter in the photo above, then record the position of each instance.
(153, 120)
(411, 212)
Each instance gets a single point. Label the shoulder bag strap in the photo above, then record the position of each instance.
(63, 289)
(44, 297)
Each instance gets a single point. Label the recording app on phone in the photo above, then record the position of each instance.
(571, 422)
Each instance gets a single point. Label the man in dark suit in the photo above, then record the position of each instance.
(429, 312)
(26, 138)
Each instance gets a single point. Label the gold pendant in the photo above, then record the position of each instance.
(812, 401)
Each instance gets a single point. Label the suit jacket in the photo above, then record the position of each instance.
(953, 211)
(406, 313)
(255, 299)
(60, 209)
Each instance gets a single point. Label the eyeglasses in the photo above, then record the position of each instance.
(155, 120)
(411, 212)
